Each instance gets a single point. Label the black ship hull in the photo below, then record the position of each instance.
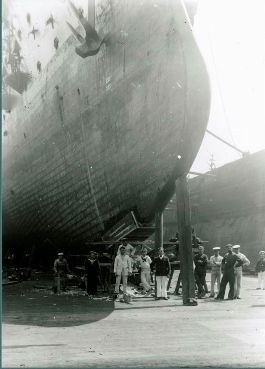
(96, 138)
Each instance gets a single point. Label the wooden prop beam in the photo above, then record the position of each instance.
(158, 230)
(185, 243)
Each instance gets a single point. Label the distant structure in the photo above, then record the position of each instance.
(39, 66)
(19, 34)
(232, 208)
(81, 12)
(14, 76)
(34, 32)
(56, 42)
(50, 21)
(29, 18)
(212, 165)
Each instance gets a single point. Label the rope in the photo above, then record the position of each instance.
(219, 86)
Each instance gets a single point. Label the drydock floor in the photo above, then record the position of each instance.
(42, 330)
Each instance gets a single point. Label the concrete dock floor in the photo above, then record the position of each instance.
(43, 330)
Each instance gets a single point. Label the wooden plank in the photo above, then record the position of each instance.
(185, 243)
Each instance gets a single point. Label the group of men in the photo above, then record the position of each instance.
(160, 266)
(230, 264)
(123, 268)
(62, 273)
(225, 270)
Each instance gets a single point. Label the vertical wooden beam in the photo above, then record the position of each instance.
(91, 13)
(158, 233)
(158, 230)
(185, 243)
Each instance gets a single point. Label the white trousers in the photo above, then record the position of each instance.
(161, 286)
(261, 279)
(215, 277)
(124, 276)
(238, 278)
(146, 279)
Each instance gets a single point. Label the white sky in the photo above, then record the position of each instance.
(230, 34)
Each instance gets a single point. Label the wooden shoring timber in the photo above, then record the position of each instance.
(158, 230)
(158, 235)
(185, 243)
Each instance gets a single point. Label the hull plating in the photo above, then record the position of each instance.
(96, 138)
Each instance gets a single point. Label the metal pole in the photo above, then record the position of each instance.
(243, 153)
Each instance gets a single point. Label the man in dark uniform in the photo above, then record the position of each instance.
(91, 273)
(229, 262)
(200, 261)
(162, 270)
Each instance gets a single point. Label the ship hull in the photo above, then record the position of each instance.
(96, 138)
(228, 207)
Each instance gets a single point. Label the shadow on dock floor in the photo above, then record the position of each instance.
(24, 305)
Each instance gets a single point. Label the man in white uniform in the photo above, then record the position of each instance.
(238, 270)
(145, 262)
(122, 268)
(215, 263)
(260, 269)
(129, 249)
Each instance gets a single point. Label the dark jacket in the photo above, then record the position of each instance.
(91, 268)
(230, 261)
(162, 266)
(200, 262)
(260, 267)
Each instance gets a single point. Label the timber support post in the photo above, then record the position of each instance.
(185, 243)
(158, 230)
(158, 233)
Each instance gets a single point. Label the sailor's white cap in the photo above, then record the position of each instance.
(60, 253)
(236, 246)
(217, 248)
(261, 252)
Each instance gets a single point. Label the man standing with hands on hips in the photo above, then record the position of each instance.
(238, 270)
(229, 262)
(162, 270)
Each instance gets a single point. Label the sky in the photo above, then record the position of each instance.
(230, 34)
